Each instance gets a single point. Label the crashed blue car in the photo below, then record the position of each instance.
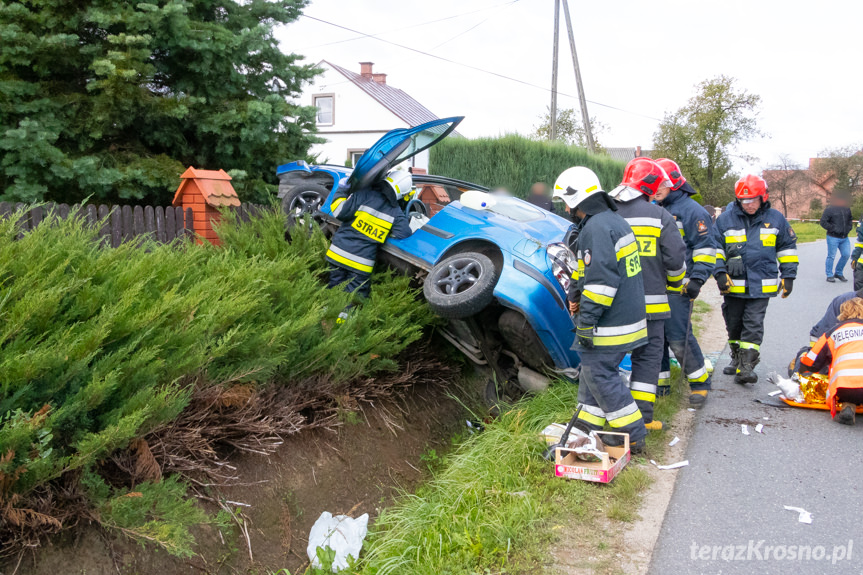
(497, 267)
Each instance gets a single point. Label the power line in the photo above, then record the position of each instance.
(376, 34)
(471, 67)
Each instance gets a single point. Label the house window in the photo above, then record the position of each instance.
(354, 156)
(324, 104)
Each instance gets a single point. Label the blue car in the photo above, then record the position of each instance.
(497, 267)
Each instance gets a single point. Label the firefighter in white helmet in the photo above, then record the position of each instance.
(608, 296)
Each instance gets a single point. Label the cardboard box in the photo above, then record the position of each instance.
(568, 466)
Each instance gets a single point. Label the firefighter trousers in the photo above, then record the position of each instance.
(646, 363)
(357, 283)
(744, 320)
(681, 340)
(603, 395)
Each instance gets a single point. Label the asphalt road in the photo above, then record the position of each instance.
(734, 490)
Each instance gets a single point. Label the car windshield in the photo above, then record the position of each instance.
(515, 210)
(422, 140)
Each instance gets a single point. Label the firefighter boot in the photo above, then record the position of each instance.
(846, 413)
(731, 368)
(747, 360)
(653, 425)
(698, 398)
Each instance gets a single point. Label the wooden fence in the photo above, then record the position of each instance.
(120, 224)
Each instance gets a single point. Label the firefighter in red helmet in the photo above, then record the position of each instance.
(756, 259)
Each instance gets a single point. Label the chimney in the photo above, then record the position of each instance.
(637, 151)
(380, 78)
(366, 69)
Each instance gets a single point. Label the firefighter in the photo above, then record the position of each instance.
(855, 257)
(841, 344)
(751, 239)
(695, 225)
(609, 301)
(663, 255)
(373, 215)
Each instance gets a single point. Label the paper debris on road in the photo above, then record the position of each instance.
(759, 428)
(765, 418)
(804, 517)
(775, 392)
(683, 463)
(744, 428)
(674, 441)
(690, 409)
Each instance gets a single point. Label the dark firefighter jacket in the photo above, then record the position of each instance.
(371, 215)
(767, 244)
(696, 227)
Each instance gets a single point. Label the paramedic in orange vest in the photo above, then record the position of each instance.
(842, 349)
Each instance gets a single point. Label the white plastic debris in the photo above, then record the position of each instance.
(343, 534)
(765, 418)
(804, 517)
(677, 465)
(674, 441)
(775, 392)
(759, 428)
(690, 409)
(744, 428)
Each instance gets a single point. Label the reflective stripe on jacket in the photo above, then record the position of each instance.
(371, 216)
(610, 283)
(661, 251)
(766, 243)
(696, 227)
(842, 348)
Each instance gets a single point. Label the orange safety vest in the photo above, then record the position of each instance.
(843, 347)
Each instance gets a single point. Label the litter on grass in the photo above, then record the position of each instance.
(674, 441)
(803, 517)
(677, 465)
(744, 428)
(342, 534)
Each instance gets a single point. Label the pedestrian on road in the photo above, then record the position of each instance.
(608, 297)
(837, 220)
(855, 257)
(663, 256)
(540, 196)
(696, 227)
(841, 345)
(751, 238)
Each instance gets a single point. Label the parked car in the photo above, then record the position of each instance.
(497, 267)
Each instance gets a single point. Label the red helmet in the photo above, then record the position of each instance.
(751, 187)
(645, 175)
(673, 170)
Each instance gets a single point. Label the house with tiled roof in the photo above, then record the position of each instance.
(355, 109)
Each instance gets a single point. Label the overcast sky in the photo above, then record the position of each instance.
(802, 58)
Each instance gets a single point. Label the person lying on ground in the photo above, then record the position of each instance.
(842, 349)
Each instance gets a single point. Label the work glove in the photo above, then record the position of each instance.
(853, 264)
(693, 288)
(724, 282)
(735, 266)
(787, 285)
(585, 336)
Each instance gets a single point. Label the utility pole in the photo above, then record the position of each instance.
(552, 132)
(584, 116)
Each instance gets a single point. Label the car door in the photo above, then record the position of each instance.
(396, 146)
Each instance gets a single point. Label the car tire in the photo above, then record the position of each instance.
(461, 285)
(302, 200)
(523, 340)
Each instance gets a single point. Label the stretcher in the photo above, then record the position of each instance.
(822, 406)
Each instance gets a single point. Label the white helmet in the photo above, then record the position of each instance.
(574, 185)
(401, 183)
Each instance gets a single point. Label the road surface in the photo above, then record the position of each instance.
(727, 512)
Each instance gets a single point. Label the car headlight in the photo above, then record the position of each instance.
(563, 262)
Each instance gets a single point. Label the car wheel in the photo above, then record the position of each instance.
(523, 340)
(461, 285)
(304, 200)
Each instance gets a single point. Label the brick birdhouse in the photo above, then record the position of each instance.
(205, 191)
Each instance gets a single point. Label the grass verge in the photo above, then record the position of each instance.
(812, 231)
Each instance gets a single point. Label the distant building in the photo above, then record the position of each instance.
(355, 109)
(800, 188)
(627, 154)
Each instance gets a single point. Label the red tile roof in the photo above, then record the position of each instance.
(214, 185)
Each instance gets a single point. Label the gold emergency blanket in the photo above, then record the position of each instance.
(814, 387)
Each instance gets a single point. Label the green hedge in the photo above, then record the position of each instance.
(98, 346)
(515, 162)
